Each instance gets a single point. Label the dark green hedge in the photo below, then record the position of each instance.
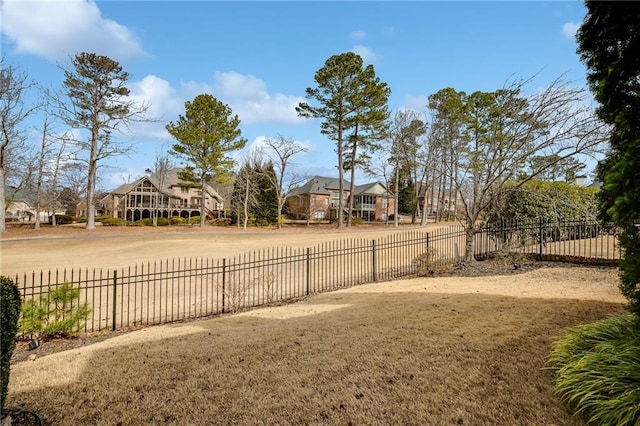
(9, 315)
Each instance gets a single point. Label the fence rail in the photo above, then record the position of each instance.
(178, 289)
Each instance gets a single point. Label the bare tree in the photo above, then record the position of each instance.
(14, 85)
(96, 87)
(161, 168)
(44, 153)
(280, 150)
(246, 186)
(501, 131)
(406, 153)
(381, 166)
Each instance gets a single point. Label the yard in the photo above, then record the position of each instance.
(444, 350)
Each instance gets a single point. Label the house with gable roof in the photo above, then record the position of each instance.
(168, 196)
(318, 199)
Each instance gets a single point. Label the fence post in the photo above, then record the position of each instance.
(373, 261)
(308, 265)
(115, 286)
(224, 271)
(541, 237)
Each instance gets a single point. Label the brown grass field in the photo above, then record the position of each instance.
(449, 350)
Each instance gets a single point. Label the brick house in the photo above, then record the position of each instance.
(318, 200)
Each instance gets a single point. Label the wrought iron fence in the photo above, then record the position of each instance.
(579, 240)
(179, 289)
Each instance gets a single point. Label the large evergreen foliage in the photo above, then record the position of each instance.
(609, 42)
(9, 314)
(551, 201)
(352, 102)
(205, 135)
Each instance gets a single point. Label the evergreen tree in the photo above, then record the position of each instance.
(406, 193)
(205, 135)
(609, 42)
(266, 209)
(352, 102)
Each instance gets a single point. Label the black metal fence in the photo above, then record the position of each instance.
(178, 289)
(578, 240)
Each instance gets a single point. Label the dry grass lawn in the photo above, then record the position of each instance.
(424, 351)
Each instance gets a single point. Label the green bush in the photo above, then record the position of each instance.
(9, 314)
(552, 201)
(177, 220)
(194, 220)
(163, 221)
(597, 370)
(144, 222)
(55, 313)
(113, 221)
(357, 221)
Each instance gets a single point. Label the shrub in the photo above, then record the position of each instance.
(55, 313)
(63, 219)
(355, 221)
(144, 222)
(9, 314)
(163, 221)
(597, 369)
(194, 220)
(113, 221)
(177, 220)
(222, 221)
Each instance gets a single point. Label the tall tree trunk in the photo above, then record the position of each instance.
(43, 148)
(203, 199)
(351, 188)
(340, 176)
(397, 188)
(2, 203)
(247, 185)
(470, 234)
(92, 175)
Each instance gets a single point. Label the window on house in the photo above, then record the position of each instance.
(318, 215)
(184, 189)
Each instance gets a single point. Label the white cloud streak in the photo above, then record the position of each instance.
(358, 35)
(569, 30)
(368, 56)
(246, 95)
(56, 30)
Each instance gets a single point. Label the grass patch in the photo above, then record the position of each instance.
(342, 358)
(597, 369)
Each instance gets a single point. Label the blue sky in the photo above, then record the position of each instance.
(258, 57)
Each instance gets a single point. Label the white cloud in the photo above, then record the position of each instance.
(248, 97)
(164, 104)
(569, 29)
(358, 35)
(56, 30)
(415, 103)
(368, 56)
